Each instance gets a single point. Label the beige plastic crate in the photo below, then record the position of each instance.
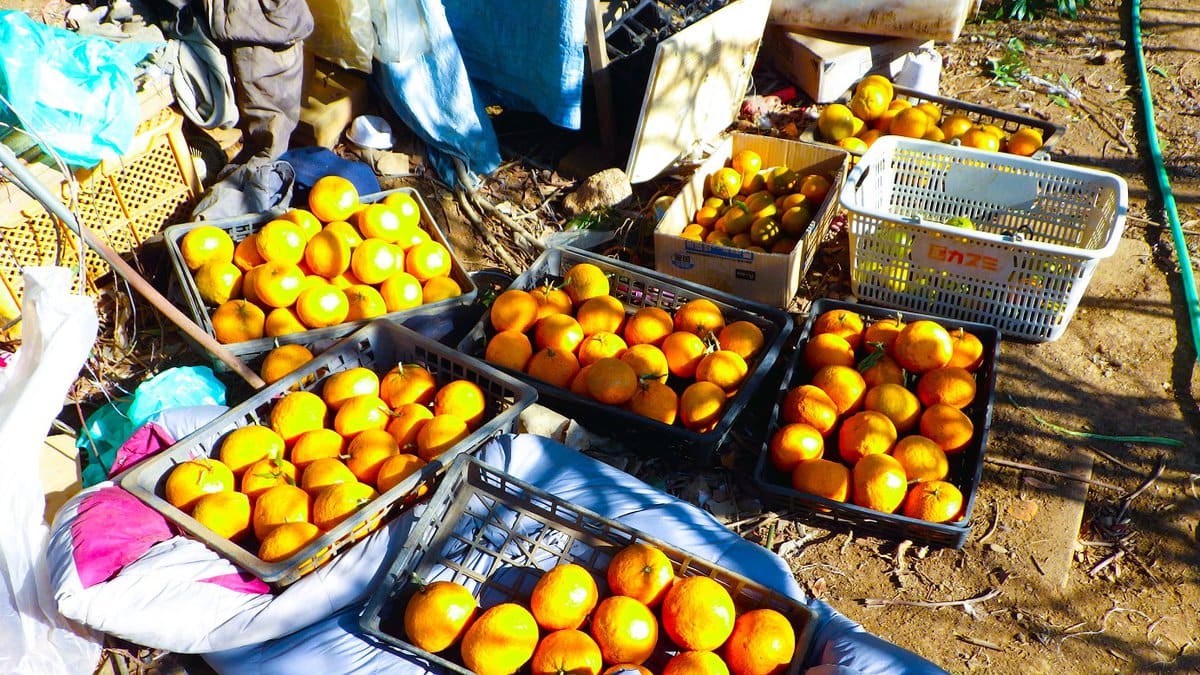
(124, 201)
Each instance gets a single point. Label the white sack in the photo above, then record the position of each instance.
(58, 330)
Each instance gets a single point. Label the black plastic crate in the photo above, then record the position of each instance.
(240, 227)
(639, 287)
(379, 345)
(966, 467)
(1051, 133)
(634, 26)
(497, 535)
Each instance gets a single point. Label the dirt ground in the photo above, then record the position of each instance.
(1125, 367)
(1058, 575)
(1117, 589)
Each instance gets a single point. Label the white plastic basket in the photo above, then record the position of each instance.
(1041, 228)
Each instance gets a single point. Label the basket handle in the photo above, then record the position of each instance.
(853, 183)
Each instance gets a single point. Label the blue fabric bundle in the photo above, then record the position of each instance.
(338, 644)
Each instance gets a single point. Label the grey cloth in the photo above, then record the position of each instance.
(260, 22)
(200, 75)
(259, 186)
(264, 43)
(267, 83)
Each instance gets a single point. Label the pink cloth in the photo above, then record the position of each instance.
(239, 581)
(113, 528)
(149, 439)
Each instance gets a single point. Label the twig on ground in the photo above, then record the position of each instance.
(1185, 226)
(1125, 503)
(1117, 132)
(825, 567)
(979, 643)
(1052, 472)
(992, 527)
(1112, 459)
(1142, 566)
(881, 602)
(1103, 623)
(518, 228)
(757, 520)
(1108, 560)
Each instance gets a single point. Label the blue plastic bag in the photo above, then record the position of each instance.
(74, 94)
(109, 427)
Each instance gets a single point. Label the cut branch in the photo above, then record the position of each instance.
(501, 252)
(881, 602)
(482, 203)
(978, 643)
(1158, 470)
(1052, 472)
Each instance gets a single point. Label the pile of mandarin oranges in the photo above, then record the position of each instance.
(879, 416)
(676, 367)
(339, 260)
(567, 625)
(757, 208)
(873, 111)
(320, 456)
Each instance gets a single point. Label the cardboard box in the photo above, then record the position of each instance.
(940, 20)
(824, 65)
(768, 278)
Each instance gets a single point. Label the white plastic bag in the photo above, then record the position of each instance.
(400, 30)
(58, 330)
(922, 71)
(342, 32)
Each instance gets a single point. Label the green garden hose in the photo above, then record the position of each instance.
(1164, 183)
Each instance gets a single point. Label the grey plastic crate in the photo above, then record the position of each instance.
(379, 345)
(240, 227)
(496, 535)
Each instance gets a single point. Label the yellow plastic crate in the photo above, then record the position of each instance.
(124, 201)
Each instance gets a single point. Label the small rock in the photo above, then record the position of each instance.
(542, 421)
(997, 548)
(1023, 510)
(1107, 57)
(610, 187)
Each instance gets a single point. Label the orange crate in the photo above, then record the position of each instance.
(124, 201)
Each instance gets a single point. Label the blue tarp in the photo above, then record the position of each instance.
(520, 55)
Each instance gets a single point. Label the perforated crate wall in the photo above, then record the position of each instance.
(124, 201)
